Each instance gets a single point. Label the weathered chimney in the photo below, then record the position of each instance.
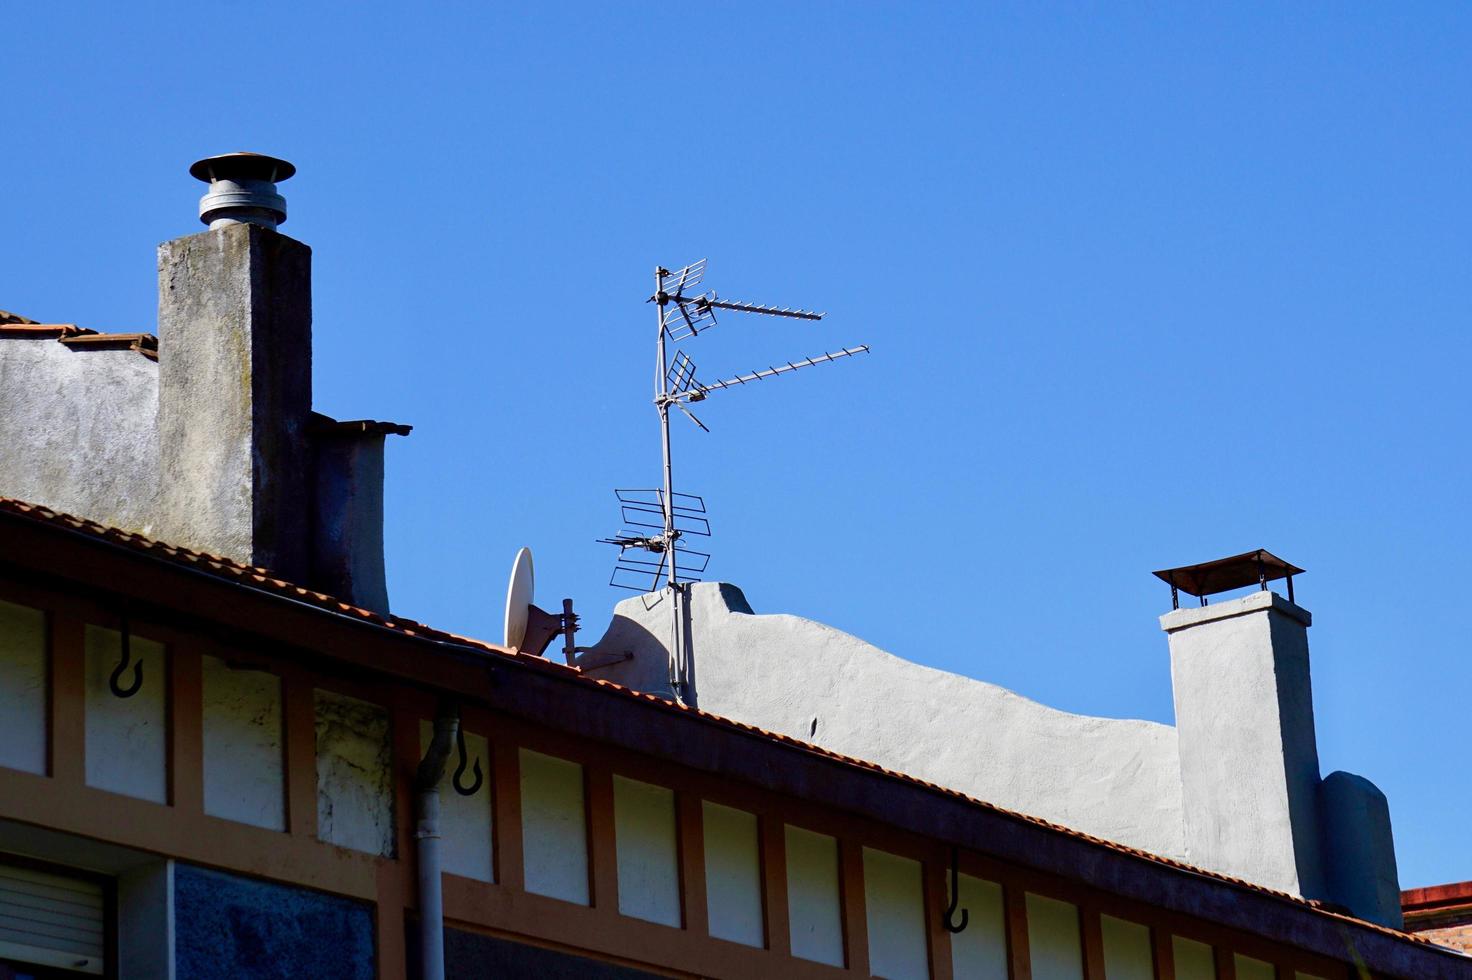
(235, 374)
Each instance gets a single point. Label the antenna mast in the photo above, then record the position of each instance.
(680, 315)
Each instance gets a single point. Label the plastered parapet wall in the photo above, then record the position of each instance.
(1241, 678)
(1115, 779)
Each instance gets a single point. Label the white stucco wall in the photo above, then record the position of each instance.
(647, 847)
(244, 766)
(979, 952)
(894, 910)
(733, 874)
(1127, 950)
(127, 738)
(1053, 939)
(355, 806)
(1115, 779)
(22, 688)
(814, 912)
(554, 827)
(466, 827)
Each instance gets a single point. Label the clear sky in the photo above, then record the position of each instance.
(1146, 285)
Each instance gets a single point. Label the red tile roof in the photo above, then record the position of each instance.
(78, 338)
(263, 579)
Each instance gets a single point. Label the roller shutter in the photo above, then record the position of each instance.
(51, 920)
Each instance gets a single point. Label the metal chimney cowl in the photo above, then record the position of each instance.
(242, 189)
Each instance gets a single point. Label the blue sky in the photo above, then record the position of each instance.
(1145, 285)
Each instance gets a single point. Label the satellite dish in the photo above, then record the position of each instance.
(519, 598)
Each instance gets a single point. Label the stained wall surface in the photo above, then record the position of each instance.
(354, 789)
(466, 827)
(22, 688)
(77, 427)
(127, 738)
(244, 765)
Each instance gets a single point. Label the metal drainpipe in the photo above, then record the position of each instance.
(427, 844)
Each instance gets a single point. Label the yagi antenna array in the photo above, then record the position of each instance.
(656, 520)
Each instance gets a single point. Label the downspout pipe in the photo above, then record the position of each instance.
(427, 843)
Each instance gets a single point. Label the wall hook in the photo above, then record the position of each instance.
(127, 644)
(955, 899)
(474, 787)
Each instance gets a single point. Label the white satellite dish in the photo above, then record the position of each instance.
(519, 598)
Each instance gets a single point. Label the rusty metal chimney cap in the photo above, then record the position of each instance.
(242, 165)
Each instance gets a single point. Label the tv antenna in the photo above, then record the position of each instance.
(655, 520)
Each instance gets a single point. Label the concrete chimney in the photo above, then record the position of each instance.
(1245, 723)
(235, 375)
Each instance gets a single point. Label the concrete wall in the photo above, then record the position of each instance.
(244, 765)
(355, 804)
(814, 907)
(1360, 848)
(77, 430)
(127, 738)
(145, 915)
(554, 827)
(23, 708)
(465, 821)
(979, 952)
(648, 851)
(894, 912)
(1194, 961)
(347, 534)
(1128, 952)
(1054, 940)
(1250, 969)
(1249, 760)
(235, 395)
(1115, 779)
(733, 874)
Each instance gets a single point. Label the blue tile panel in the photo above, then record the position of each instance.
(232, 928)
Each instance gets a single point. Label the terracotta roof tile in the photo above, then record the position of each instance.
(81, 338)
(7, 317)
(263, 579)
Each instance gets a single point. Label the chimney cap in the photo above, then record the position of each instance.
(1225, 574)
(242, 165)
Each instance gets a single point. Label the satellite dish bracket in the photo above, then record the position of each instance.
(542, 627)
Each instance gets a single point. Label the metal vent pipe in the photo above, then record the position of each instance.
(242, 189)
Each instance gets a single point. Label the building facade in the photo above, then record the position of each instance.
(222, 756)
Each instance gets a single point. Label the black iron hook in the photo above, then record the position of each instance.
(474, 787)
(955, 899)
(127, 644)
